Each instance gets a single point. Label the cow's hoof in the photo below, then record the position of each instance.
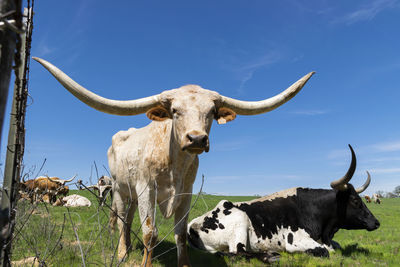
(270, 257)
(318, 252)
(335, 245)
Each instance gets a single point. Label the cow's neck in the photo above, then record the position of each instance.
(323, 210)
(177, 165)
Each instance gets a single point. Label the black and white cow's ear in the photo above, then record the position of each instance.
(158, 114)
(225, 115)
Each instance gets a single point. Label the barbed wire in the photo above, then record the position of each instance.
(94, 236)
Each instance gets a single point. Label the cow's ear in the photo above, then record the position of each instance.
(158, 114)
(225, 115)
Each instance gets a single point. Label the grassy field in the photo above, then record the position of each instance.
(52, 234)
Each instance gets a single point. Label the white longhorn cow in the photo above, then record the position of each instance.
(158, 163)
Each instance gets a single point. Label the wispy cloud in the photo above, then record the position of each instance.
(76, 28)
(386, 170)
(256, 177)
(247, 70)
(367, 12)
(229, 178)
(44, 50)
(233, 145)
(337, 153)
(309, 112)
(387, 146)
(384, 159)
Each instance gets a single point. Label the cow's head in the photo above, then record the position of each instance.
(352, 212)
(191, 108)
(26, 185)
(62, 191)
(59, 202)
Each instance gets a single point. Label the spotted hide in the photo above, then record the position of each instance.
(293, 220)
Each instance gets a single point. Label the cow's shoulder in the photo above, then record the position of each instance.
(281, 194)
(122, 136)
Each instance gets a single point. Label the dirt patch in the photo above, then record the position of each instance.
(75, 243)
(40, 214)
(31, 261)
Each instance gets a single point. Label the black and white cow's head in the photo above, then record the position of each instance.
(352, 212)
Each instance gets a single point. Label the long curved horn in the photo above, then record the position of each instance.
(23, 178)
(67, 181)
(61, 181)
(258, 107)
(116, 107)
(341, 184)
(364, 186)
(58, 181)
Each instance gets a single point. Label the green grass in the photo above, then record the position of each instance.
(48, 233)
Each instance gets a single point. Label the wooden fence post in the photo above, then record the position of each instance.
(16, 136)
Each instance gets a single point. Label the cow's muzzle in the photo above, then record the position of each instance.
(196, 144)
(375, 225)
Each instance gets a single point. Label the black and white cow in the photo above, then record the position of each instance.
(293, 220)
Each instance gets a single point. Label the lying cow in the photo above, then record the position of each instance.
(293, 220)
(103, 186)
(44, 188)
(73, 201)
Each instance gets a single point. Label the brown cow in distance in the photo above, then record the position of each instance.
(44, 188)
(367, 199)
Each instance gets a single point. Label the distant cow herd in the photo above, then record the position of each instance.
(157, 164)
(44, 188)
(376, 198)
(54, 190)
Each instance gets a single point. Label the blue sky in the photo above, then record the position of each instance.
(248, 50)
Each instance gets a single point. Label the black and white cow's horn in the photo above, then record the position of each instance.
(364, 186)
(116, 107)
(263, 106)
(341, 184)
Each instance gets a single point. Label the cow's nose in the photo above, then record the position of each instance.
(377, 224)
(198, 140)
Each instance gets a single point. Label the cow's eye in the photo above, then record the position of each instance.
(214, 112)
(356, 202)
(174, 110)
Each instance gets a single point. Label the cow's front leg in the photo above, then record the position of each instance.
(146, 205)
(131, 208)
(308, 245)
(181, 218)
(119, 206)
